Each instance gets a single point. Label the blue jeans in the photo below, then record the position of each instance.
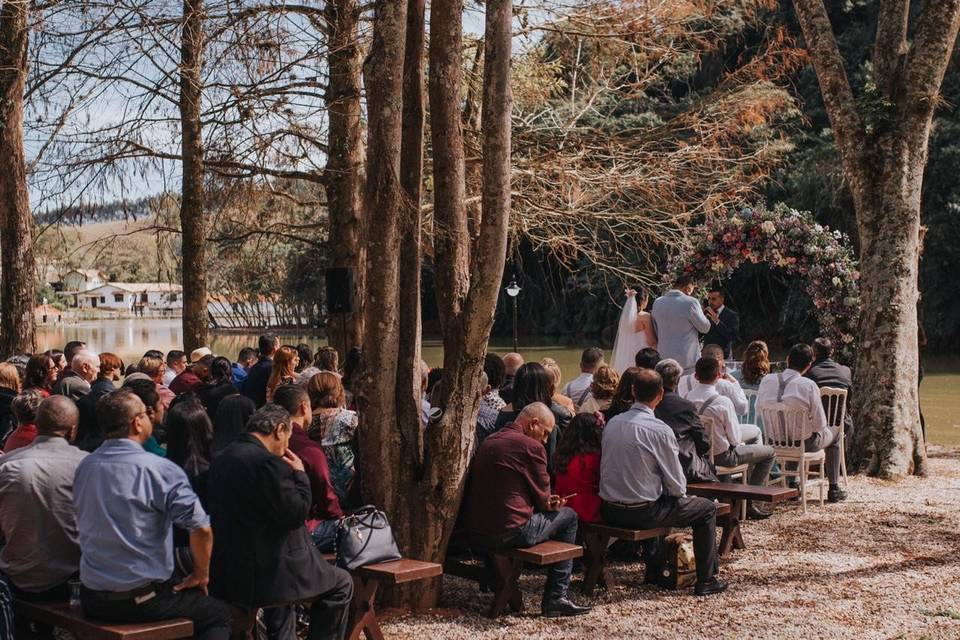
(551, 525)
(325, 535)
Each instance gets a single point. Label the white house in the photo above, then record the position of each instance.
(134, 296)
(80, 280)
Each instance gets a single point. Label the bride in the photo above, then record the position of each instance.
(634, 332)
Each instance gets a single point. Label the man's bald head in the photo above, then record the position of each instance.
(512, 362)
(537, 421)
(57, 417)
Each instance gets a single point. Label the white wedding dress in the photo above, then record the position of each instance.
(628, 340)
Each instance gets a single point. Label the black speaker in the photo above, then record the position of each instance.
(341, 287)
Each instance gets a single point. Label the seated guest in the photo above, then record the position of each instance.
(59, 360)
(434, 376)
(260, 498)
(623, 398)
(732, 443)
(351, 371)
(258, 375)
(557, 375)
(75, 383)
(486, 416)
(681, 416)
(533, 383)
(230, 421)
(647, 358)
(643, 487)
(424, 397)
(755, 365)
(110, 367)
(24, 408)
(578, 465)
(155, 411)
(70, 349)
(189, 434)
(791, 388)
(326, 359)
(334, 428)
(245, 359)
(494, 368)
(285, 362)
(154, 368)
(219, 386)
(306, 356)
(827, 372)
(176, 363)
(511, 364)
(727, 386)
(127, 502)
(602, 389)
(40, 373)
(509, 504)
(36, 513)
(325, 511)
(194, 376)
(579, 388)
(9, 389)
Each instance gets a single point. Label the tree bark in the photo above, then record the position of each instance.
(17, 265)
(192, 200)
(343, 176)
(883, 165)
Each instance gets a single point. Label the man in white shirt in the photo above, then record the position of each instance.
(727, 385)
(176, 363)
(732, 443)
(579, 388)
(642, 484)
(791, 388)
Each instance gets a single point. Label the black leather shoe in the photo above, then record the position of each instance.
(562, 607)
(836, 494)
(710, 587)
(755, 512)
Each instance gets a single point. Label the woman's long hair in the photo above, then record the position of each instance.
(604, 385)
(283, 368)
(624, 398)
(231, 420)
(532, 383)
(326, 391)
(36, 372)
(189, 434)
(221, 371)
(756, 362)
(582, 435)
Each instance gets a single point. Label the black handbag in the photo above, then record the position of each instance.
(365, 537)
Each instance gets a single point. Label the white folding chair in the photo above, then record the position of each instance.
(835, 406)
(741, 470)
(784, 430)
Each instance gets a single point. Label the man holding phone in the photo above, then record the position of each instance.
(509, 503)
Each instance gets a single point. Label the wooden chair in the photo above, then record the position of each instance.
(835, 406)
(741, 470)
(784, 426)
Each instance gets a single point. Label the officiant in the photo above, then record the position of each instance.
(724, 322)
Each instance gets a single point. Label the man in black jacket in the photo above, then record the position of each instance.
(255, 386)
(262, 553)
(724, 323)
(827, 372)
(681, 416)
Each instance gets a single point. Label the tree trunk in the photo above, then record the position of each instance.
(343, 176)
(17, 265)
(192, 201)
(883, 164)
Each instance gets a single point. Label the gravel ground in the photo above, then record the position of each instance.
(884, 564)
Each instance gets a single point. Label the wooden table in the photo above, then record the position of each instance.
(732, 538)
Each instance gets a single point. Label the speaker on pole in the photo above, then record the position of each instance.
(341, 289)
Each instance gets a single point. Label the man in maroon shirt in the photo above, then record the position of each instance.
(325, 512)
(509, 503)
(193, 377)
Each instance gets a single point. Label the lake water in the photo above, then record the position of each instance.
(130, 338)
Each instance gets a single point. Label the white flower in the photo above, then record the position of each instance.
(835, 281)
(768, 227)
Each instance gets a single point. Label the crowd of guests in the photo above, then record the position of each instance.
(620, 449)
(182, 486)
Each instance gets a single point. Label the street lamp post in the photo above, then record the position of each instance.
(513, 290)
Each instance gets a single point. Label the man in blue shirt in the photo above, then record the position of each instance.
(127, 501)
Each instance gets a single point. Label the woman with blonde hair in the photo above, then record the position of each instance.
(334, 427)
(285, 362)
(557, 375)
(602, 390)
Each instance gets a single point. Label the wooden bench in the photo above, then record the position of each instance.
(366, 584)
(61, 615)
(507, 568)
(596, 540)
(732, 537)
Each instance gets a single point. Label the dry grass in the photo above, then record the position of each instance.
(885, 564)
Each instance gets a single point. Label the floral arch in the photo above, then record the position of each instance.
(788, 240)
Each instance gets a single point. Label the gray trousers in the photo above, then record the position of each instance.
(828, 440)
(758, 456)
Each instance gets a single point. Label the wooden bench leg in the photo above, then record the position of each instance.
(243, 623)
(363, 615)
(732, 538)
(507, 590)
(595, 562)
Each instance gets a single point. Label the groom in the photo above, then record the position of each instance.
(678, 321)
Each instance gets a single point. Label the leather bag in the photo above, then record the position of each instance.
(365, 537)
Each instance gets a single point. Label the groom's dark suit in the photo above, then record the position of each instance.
(724, 333)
